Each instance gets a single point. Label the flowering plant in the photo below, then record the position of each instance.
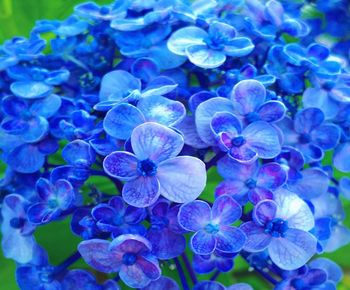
(179, 139)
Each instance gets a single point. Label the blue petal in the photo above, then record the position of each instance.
(272, 111)
(162, 110)
(248, 95)
(274, 12)
(294, 250)
(203, 243)
(40, 213)
(341, 157)
(128, 24)
(225, 210)
(14, 106)
(133, 276)
(185, 37)
(209, 285)
(155, 142)
(121, 121)
(264, 212)
(30, 89)
(225, 122)
(317, 51)
(230, 239)
(271, 176)
(308, 119)
(121, 165)
(188, 129)
(263, 139)
(79, 153)
(46, 107)
(26, 159)
(204, 57)
(182, 179)
(326, 136)
(223, 30)
(204, 114)
(194, 216)
(18, 247)
(238, 47)
(145, 69)
(141, 192)
(257, 239)
(240, 286)
(117, 84)
(105, 261)
(162, 283)
(333, 270)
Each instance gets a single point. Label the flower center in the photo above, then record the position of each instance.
(129, 259)
(276, 227)
(52, 203)
(304, 138)
(238, 141)
(250, 183)
(17, 223)
(147, 167)
(211, 229)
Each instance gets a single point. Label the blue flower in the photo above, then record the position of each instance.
(209, 49)
(212, 226)
(53, 199)
(281, 226)
(162, 283)
(129, 255)
(154, 169)
(216, 260)
(18, 242)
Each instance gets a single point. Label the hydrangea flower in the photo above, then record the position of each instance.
(129, 255)
(212, 226)
(209, 49)
(154, 169)
(282, 226)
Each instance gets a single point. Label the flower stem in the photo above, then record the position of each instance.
(67, 262)
(181, 274)
(215, 275)
(189, 268)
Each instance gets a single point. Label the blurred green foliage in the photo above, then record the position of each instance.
(17, 17)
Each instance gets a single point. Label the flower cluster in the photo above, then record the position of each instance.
(155, 97)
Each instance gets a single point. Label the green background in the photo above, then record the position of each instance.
(17, 17)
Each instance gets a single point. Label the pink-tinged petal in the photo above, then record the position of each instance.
(182, 179)
(292, 208)
(121, 165)
(150, 268)
(141, 192)
(225, 210)
(294, 250)
(243, 154)
(230, 239)
(133, 276)
(231, 169)
(307, 120)
(203, 243)
(257, 240)
(130, 243)
(264, 212)
(258, 194)
(248, 95)
(194, 216)
(96, 254)
(271, 176)
(234, 188)
(225, 122)
(155, 142)
(262, 138)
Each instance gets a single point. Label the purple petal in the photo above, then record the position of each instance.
(333, 270)
(188, 129)
(26, 158)
(133, 276)
(182, 179)
(233, 170)
(264, 212)
(96, 254)
(121, 121)
(257, 240)
(209, 285)
(240, 286)
(263, 139)
(162, 110)
(149, 268)
(307, 120)
(271, 176)
(258, 194)
(248, 95)
(155, 142)
(121, 165)
(39, 213)
(194, 215)
(293, 209)
(272, 111)
(243, 154)
(103, 212)
(203, 243)
(44, 188)
(230, 239)
(225, 210)
(326, 136)
(162, 283)
(225, 122)
(141, 192)
(235, 188)
(204, 57)
(204, 114)
(130, 244)
(294, 250)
